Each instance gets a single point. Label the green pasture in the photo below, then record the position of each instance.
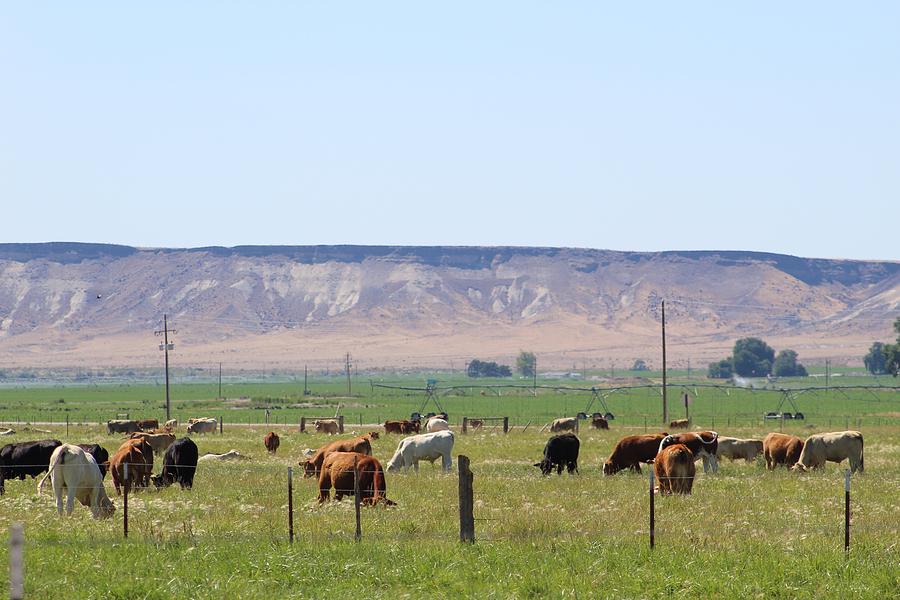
(745, 532)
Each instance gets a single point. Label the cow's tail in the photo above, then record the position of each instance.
(60, 459)
(379, 489)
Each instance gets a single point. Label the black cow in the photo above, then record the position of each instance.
(179, 464)
(25, 458)
(100, 455)
(561, 451)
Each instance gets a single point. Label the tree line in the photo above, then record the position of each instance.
(884, 358)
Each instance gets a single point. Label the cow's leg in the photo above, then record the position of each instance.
(446, 463)
(58, 492)
(324, 487)
(70, 500)
(416, 466)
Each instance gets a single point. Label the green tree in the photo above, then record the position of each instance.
(720, 370)
(640, 365)
(525, 363)
(875, 360)
(892, 353)
(752, 357)
(479, 368)
(786, 365)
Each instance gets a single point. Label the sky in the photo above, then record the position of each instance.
(766, 126)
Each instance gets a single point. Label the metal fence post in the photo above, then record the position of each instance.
(466, 502)
(125, 501)
(505, 424)
(356, 498)
(16, 561)
(652, 512)
(847, 511)
(290, 504)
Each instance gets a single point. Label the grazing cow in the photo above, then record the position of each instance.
(179, 465)
(475, 423)
(122, 426)
(412, 426)
(440, 415)
(159, 442)
(329, 426)
(435, 424)
(703, 445)
(361, 445)
(781, 449)
(75, 471)
(338, 471)
(560, 451)
(567, 424)
(425, 446)
(674, 468)
(101, 456)
(680, 424)
(135, 454)
(271, 442)
(631, 451)
(599, 423)
(230, 455)
(202, 426)
(148, 424)
(735, 448)
(832, 447)
(25, 458)
(393, 426)
(171, 424)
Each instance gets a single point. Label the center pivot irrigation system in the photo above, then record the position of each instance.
(432, 393)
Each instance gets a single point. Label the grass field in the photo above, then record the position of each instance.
(744, 532)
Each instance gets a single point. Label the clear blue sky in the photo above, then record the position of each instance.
(632, 126)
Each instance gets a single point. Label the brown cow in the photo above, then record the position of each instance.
(680, 424)
(702, 444)
(148, 424)
(413, 426)
(338, 472)
(313, 465)
(475, 423)
(271, 442)
(631, 451)
(781, 449)
(138, 455)
(674, 468)
(393, 426)
(599, 423)
(329, 426)
(160, 442)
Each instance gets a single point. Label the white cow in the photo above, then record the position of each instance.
(202, 426)
(435, 424)
(566, 424)
(76, 471)
(230, 455)
(832, 447)
(425, 446)
(735, 448)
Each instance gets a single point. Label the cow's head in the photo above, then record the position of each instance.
(318, 425)
(545, 466)
(799, 468)
(106, 509)
(309, 468)
(162, 480)
(372, 435)
(609, 468)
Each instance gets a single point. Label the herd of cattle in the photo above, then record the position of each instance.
(78, 471)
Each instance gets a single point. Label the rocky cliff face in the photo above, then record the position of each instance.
(82, 303)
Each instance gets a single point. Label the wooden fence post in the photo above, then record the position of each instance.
(505, 424)
(125, 500)
(847, 511)
(356, 499)
(652, 513)
(67, 426)
(16, 561)
(466, 501)
(302, 424)
(341, 423)
(290, 504)
(465, 424)
(221, 425)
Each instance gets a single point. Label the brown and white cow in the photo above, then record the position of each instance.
(674, 468)
(565, 424)
(271, 442)
(702, 444)
(735, 448)
(832, 447)
(599, 423)
(340, 469)
(313, 465)
(329, 426)
(632, 450)
(680, 424)
(781, 449)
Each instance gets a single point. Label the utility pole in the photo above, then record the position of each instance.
(220, 380)
(534, 377)
(305, 375)
(665, 405)
(347, 366)
(165, 347)
(689, 368)
(827, 373)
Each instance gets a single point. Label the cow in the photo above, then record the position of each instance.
(170, 424)
(202, 426)
(674, 468)
(832, 447)
(566, 424)
(340, 469)
(440, 415)
(179, 465)
(122, 426)
(680, 424)
(393, 426)
(271, 442)
(632, 450)
(160, 442)
(101, 456)
(25, 458)
(148, 424)
(599, 423)
(735, 448)
(329, 426)
(412, 426)
(474, 423)
(230, 455)
(425, 446)
(75, 471)
(436, 424)
(313, 465)
(781, 449)
(135, 454)
(560, 451)
(702, 444)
